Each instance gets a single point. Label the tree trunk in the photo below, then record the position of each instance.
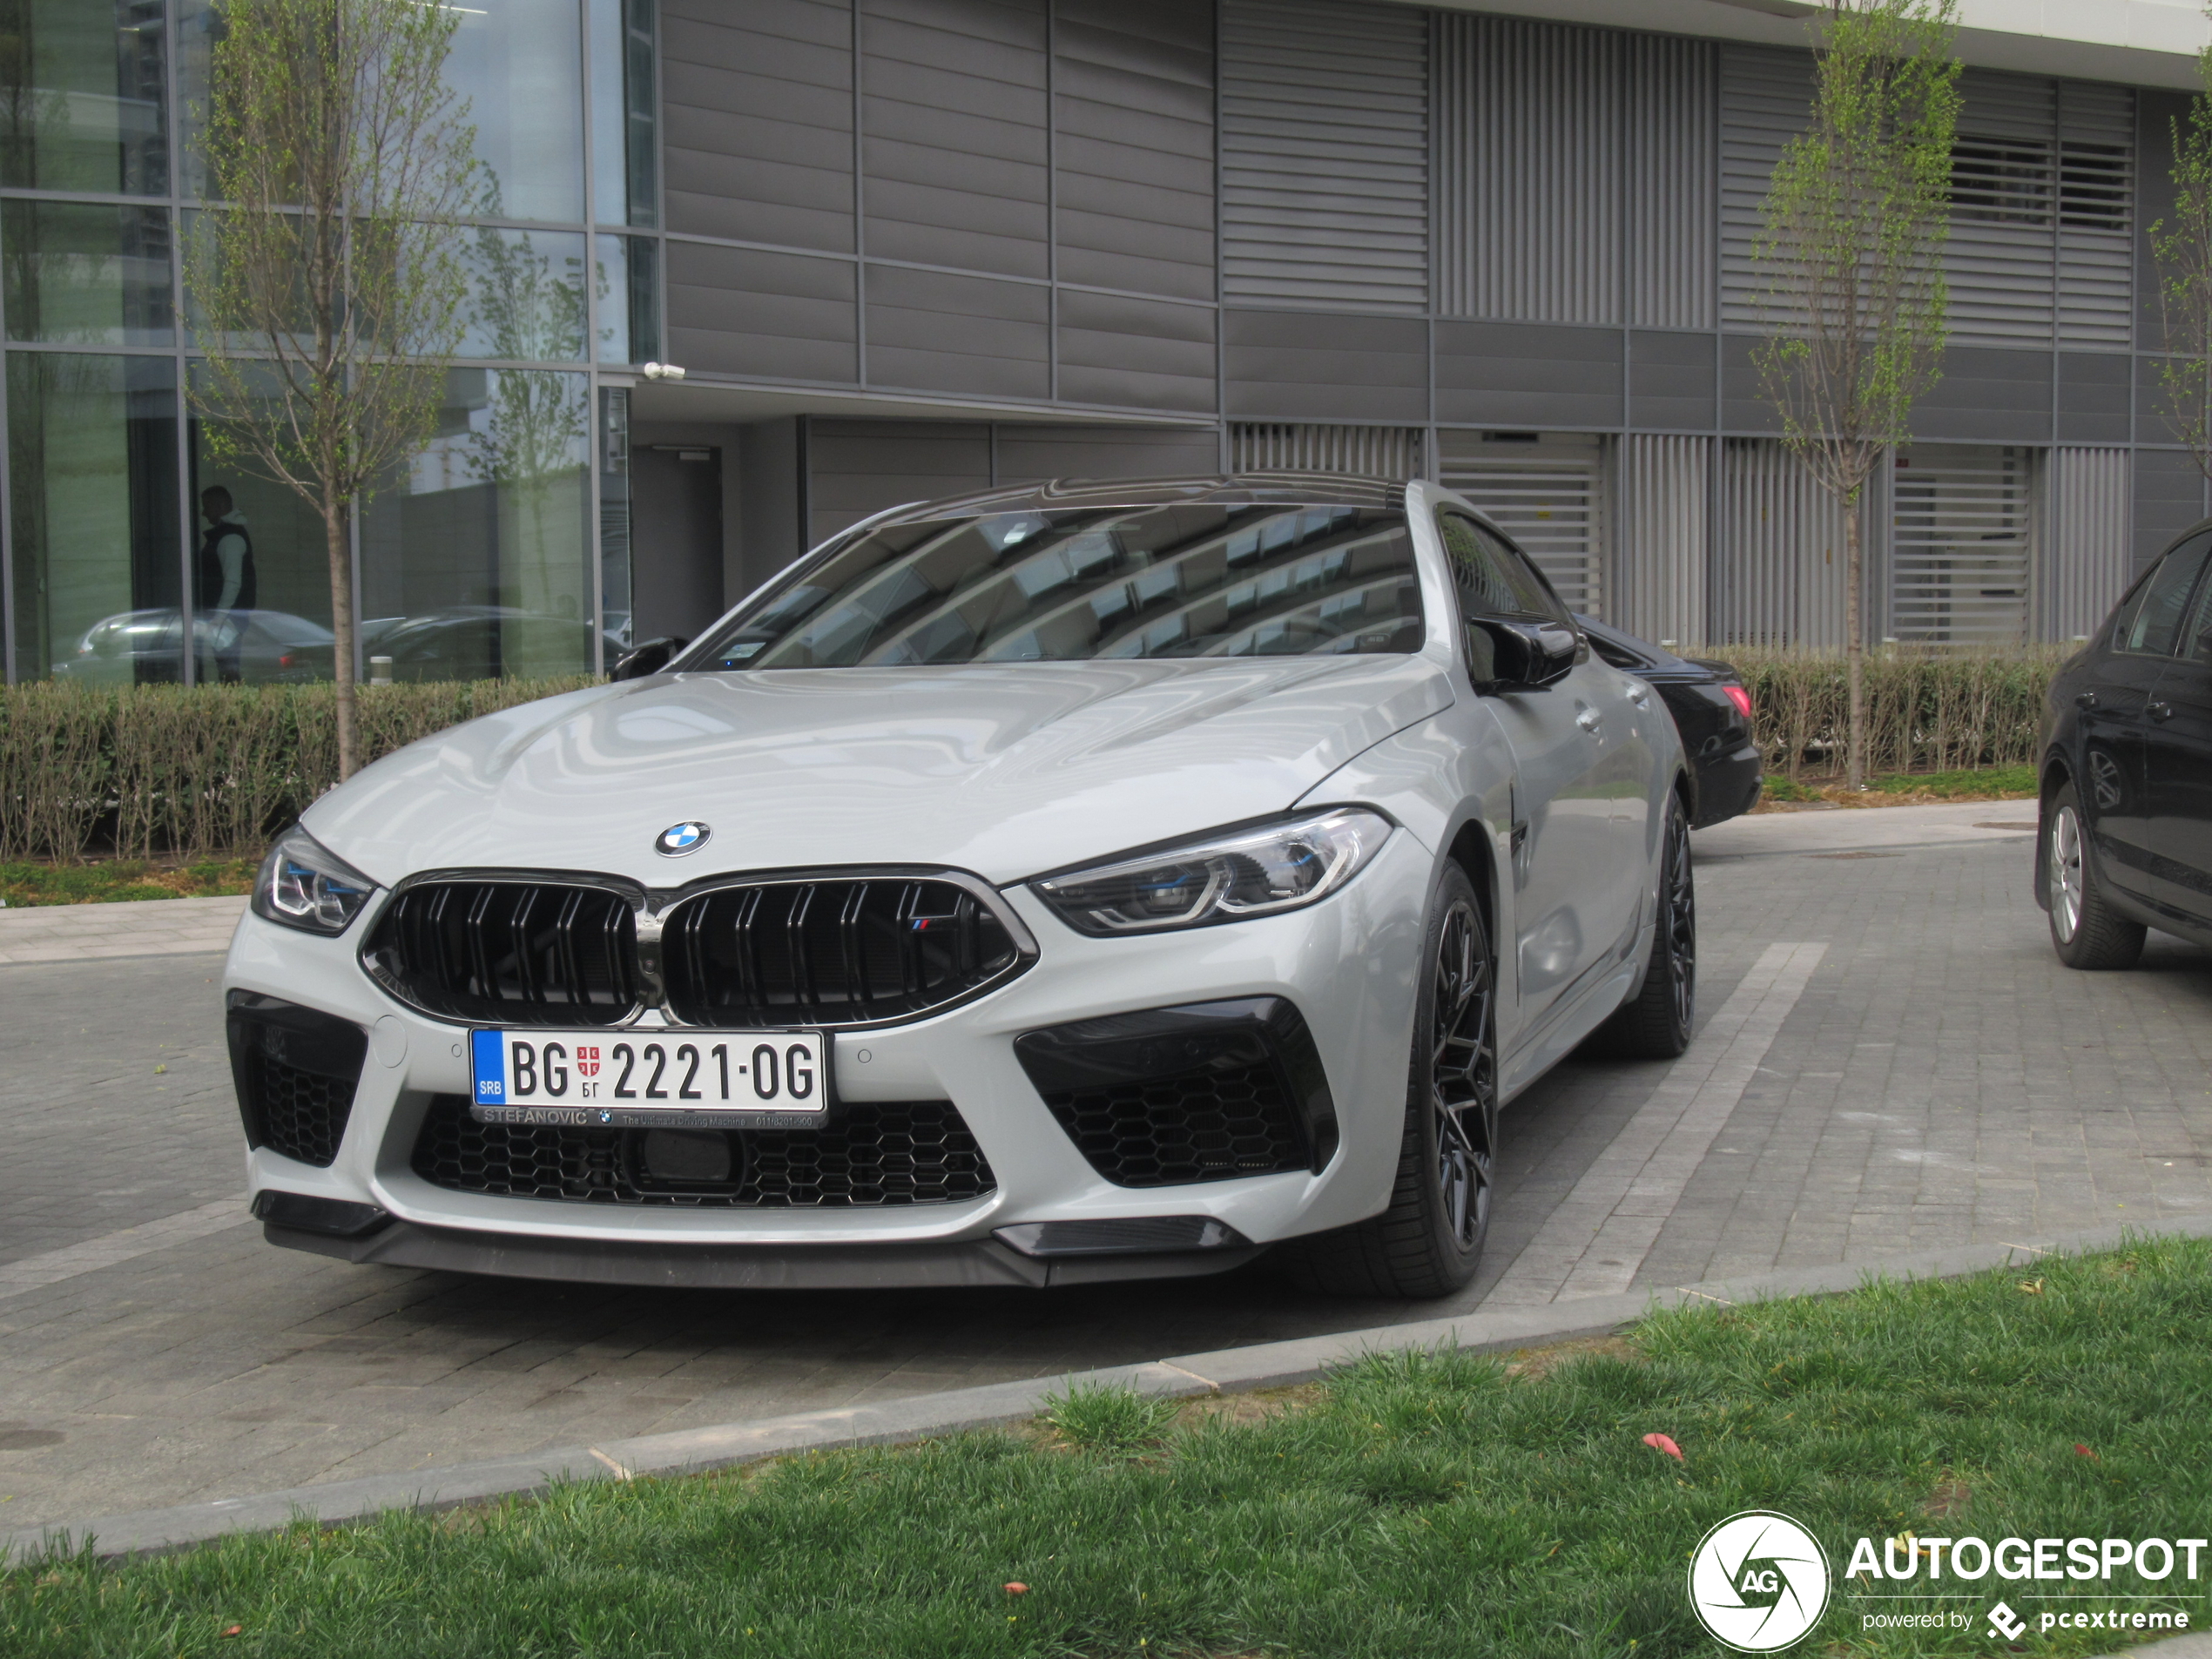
(1855, 647)
(341, 627)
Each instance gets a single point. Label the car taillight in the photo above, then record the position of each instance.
(1741, 698)
(285, 661)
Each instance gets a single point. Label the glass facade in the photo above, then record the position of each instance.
(137, 546)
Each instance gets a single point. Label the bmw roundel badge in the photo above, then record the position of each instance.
(678, 839)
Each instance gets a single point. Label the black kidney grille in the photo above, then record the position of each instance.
(871, 1153)
(829, 952)
(1212, 1125)
(510, 953)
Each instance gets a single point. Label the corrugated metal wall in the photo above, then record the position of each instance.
(1528, 170)
(1673, 206)
(1373, 451)
(1325, 150)
(1660, 559)
(2088, 563)
(1550, 496)
(1780, 559)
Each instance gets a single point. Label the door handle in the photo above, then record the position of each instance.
(2160, 712)
(2084, 700)
(1640, 696)
(1589, 719)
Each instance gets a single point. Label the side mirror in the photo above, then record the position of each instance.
(650, 658)
(1506, 656)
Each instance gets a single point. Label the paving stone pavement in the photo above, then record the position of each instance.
(1936, 1079)
(78, 933)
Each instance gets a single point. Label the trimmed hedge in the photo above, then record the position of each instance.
(141, 771)
(1958, 710)
(151, 770)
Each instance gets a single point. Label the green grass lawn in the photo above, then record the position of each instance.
(1988, 783)
(123, 879)
(1424, 1505)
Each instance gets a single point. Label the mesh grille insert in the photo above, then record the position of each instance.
(510, 953)
(829, 952)
(871, 1153)
(1211, 1125)
(303, 1114)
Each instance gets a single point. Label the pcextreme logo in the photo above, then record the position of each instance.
(1758, 1582)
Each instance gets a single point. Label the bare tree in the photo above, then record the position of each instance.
(1852, 243)
(2182, 247)
(329, 286)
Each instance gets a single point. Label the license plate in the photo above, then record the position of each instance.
(651, 1078)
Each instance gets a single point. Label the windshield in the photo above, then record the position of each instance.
(1099, 583)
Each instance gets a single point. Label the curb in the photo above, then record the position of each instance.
(1270, 1365)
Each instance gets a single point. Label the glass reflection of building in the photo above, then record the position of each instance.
(502, 548)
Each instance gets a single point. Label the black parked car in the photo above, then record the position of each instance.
(1712, 710)
(2126, 840)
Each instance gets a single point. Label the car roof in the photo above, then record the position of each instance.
(1246, 489)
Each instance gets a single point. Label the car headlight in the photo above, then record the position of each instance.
(1233, 877)
(303, 884)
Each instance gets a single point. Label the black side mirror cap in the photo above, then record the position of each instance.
(1523, 656)
(650, 658)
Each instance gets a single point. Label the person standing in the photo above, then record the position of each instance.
(226, 587)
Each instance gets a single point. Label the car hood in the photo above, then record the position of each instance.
(1003, 770)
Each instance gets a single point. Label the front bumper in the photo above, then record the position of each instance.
(1348, 965)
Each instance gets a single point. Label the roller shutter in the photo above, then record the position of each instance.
(1962, 545)
(1549, 495)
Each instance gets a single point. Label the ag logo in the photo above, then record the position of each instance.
(1758, 1582)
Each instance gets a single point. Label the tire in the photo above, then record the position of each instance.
(2086, 931)
(1429, 1241)
(1656, 1022)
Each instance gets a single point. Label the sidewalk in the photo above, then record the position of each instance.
(1835, 829)
(77, 933)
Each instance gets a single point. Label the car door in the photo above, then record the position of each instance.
(2113, 705)
(1577, 884)
(2177, 768)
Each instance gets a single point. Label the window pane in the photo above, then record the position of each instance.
(261, 573)
(526, 296)
(92, 457)
(2157, 619)
(88, 275)
(477, 558)
(629, 294)
(83, 92)
(624, 177)
(614, 520)
(515, 61)
(1138, 581)
(1493, 580)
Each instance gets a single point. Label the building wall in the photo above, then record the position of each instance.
(1409, 234)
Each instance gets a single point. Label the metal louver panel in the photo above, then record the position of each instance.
(2088, 563)
(1780, 575)
(1324, 153)
(1665, 531)
(2096, 215)
(1999, 258)
(1371, 451)
(1549, 495)
(1962, 545)
(1764, 97)
(1528, 171)
(1672, 196)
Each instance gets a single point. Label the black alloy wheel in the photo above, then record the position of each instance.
(1429, 1241)
(1656, 1023)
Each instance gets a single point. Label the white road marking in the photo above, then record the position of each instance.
(35, 1272)
(1593, 1244)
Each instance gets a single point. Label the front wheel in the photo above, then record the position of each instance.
(2085, 930)
(1429, 1241)
(1656, 1022)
